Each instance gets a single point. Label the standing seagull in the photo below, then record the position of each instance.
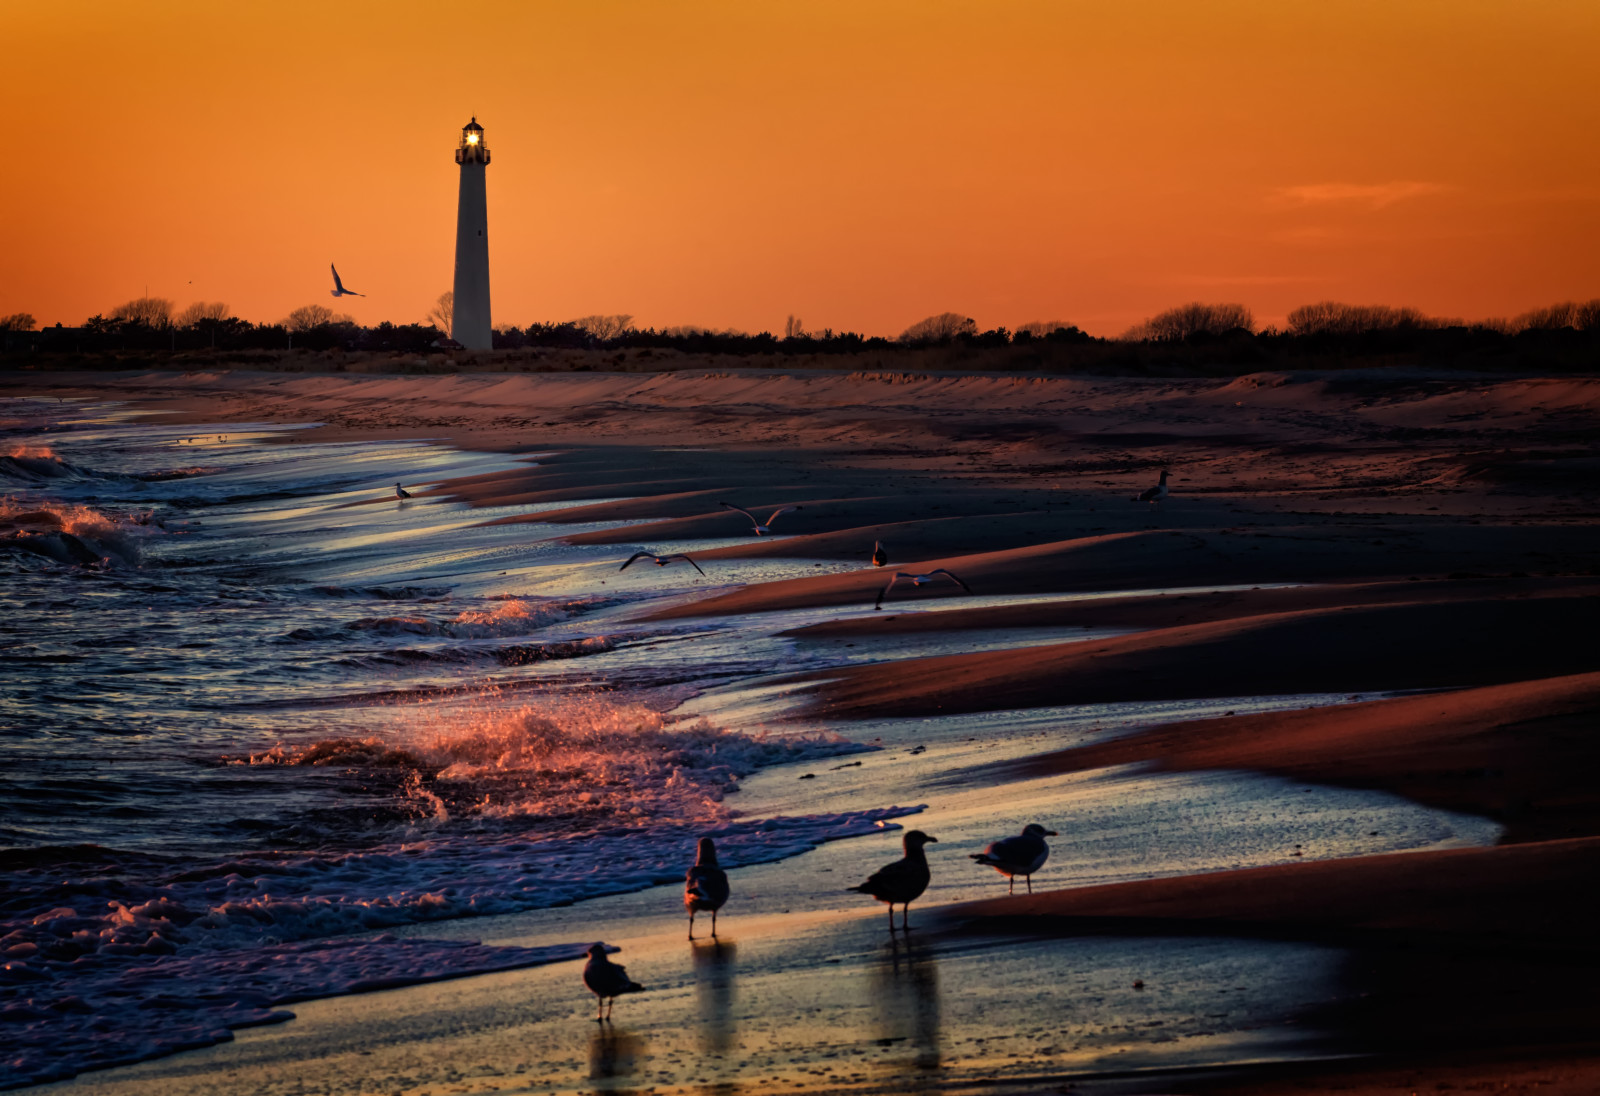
(761, 530)
(880, 554)
(1021, 855)
(903, 881)
(705, 886)
(1154, 494)
(606, 979)
(919, 580)
(660, 561)
(338, 287)
(401, 493)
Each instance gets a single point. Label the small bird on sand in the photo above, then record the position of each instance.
(606, 979)
(762, 529)
(705, 886)
(1153, 494)
(919, 580)
(1021, 855)
(903, 881)
(338, 289)
(660, 561)
(401, 492)
(880, 555)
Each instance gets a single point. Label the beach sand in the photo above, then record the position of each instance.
(1374, 533)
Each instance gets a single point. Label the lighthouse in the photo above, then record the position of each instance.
(469, 323)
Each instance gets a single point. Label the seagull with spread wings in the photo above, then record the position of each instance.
(919, 580)
(762, 529)
(659, 561)
(338, 286)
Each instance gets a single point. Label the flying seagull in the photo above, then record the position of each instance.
(880, 554)
(401, 492)
(761, 530)
(606, 979)
(705, 886)
(338, 286)
(1154, 494)
(903, 881)
(1021, 855)
(919, 580)
(660, 561)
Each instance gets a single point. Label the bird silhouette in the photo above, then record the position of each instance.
(659, 561)
(880, 554)
(705, 886)
(607, 981)
(919, 580)
(1154, 494)
(401, 492)
(338, 286)
(903, 881)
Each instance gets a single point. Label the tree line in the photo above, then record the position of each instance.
(1198, 335)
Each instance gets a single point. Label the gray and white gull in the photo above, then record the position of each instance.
(919, 580)
(1021, 855)
(705, 886)
(903, 881)
(762, 529)
(607, 981)
(659, 561)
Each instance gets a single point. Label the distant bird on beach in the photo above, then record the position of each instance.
(880, 554)
(918, 580)
(762, 530)
(401, 493)
(705, 886)
(903, 881)
(1153, 494)
(606, 980)
(338, 286)
(1021, 855)
(659, 561)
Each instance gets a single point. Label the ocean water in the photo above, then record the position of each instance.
(255, 710)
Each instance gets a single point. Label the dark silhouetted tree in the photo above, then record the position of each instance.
(941, 328)
(155, 312)
(1188, 320)
(442, 314)
(17, 321)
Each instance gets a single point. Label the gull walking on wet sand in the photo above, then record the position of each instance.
(705, 886)
(606, 980)
(918, 580)
(1021, 855)
(903, 881)
(659, 561)
(401, 493)
(1154, 494)
(762, 530)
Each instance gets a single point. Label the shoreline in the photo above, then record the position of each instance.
(1066, 532)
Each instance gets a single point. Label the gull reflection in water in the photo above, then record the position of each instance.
(906, 1002)
(613, 1056)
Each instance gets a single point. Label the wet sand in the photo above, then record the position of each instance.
(1440, 533)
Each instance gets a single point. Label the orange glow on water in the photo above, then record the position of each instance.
(859, 165)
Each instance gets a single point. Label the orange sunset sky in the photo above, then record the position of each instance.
(858, 164)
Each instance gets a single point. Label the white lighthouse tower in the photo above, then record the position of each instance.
(469, 324)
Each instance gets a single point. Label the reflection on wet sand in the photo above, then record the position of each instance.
(906, 1002)
(713, 994)
(614, 1056)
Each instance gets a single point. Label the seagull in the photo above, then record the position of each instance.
(761, 530)
(1154, 494)
(338, 289)
(903, 881)
(606, 979)
(918, 580)
(1022, 855)
(705, 886)
(880, 555)
(401, 492)
(660, 561)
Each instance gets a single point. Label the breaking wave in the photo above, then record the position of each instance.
(75, 534)
(513, 617)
